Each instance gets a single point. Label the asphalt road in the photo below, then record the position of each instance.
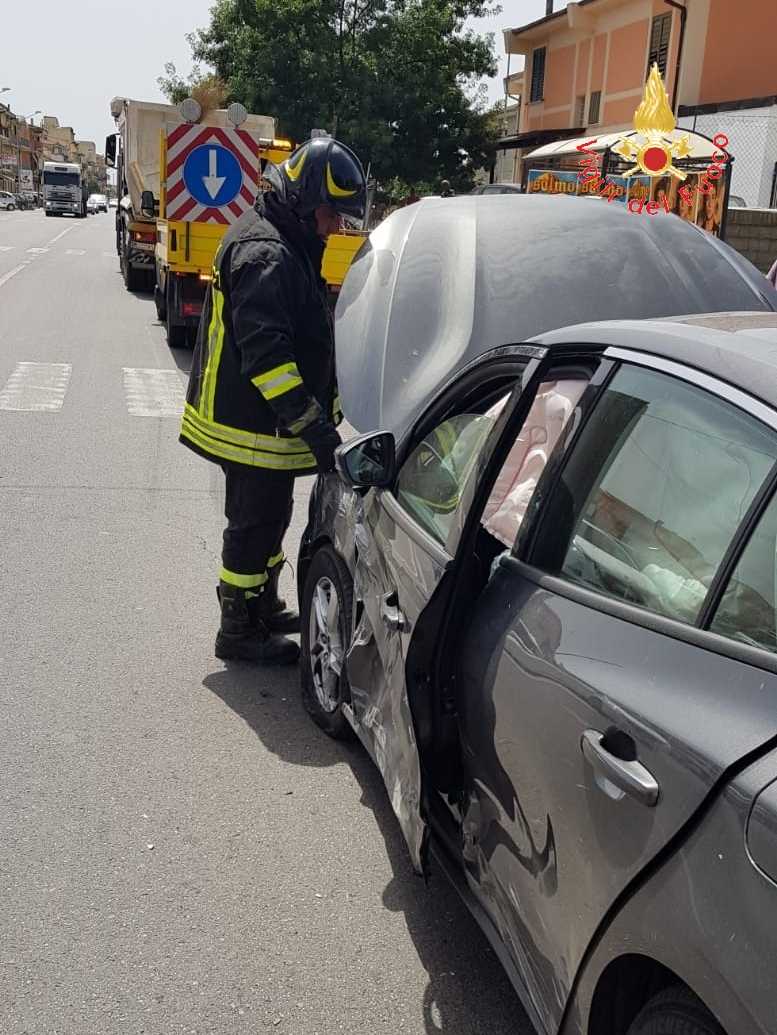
(181, 850)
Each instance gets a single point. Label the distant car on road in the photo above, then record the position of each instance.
(96, 203)
(541, 588)
(8, 201)
(113, 203)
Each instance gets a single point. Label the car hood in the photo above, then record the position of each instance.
(441, 282)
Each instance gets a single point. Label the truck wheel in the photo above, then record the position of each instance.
(159, 302)
(133, 279)
(176, 333)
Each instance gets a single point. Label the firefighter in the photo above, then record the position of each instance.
(262, 399)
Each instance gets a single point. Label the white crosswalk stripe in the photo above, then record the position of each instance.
(36, 251)
(153, 393)
(36, 386)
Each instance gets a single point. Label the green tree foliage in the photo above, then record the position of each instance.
(209, 90)
(395, 79)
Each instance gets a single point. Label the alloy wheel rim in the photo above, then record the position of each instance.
(326, 645)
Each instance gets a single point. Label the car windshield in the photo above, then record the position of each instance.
(60, 179)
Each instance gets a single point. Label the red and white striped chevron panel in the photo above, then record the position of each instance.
(181, 141)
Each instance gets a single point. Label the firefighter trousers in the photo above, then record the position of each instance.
(258, 505)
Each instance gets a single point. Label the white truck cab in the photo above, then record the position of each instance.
(62, 189)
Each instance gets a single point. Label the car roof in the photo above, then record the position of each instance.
(739, 348)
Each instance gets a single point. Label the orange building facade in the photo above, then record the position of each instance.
(585, 68)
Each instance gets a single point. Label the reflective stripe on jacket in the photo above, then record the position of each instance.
(263, 364)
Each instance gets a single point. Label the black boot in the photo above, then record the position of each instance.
(272, 610)
(243, 638)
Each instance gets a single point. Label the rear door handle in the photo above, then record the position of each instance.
(390, 613)
(630, 777)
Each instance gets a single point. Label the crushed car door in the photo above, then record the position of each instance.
(596, 715)
(405, 539)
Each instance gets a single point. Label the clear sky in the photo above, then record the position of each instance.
(67, 59)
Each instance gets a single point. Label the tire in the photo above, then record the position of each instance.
(133, 279)
(12, 208)
(176, 333)
(323, 690)
(160, 303)
(675, 1010)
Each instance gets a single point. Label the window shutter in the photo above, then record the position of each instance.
(537, 75)
(660, 32)
(593, 107)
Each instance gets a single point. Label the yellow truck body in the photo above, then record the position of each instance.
(339, 253)
(190, 247)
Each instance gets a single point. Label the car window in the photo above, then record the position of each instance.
(654, 491)
(747, 609)
(553, 405)
(434, 477)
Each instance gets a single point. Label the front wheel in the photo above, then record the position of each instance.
(675, 1010)
(325, 621)
(11, 208)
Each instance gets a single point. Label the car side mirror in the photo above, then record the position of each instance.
(368, 462)
(147, 203)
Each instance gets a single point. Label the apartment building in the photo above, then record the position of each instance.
(9, 149)
(59, 142)
(585, 66)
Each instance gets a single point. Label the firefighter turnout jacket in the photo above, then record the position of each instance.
(263, 367)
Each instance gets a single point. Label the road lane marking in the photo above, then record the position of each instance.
(61, 235)
(6, 247)
(109, 255)
(75, 251)
(12, 273)
(153, 393)
(36, 386)
(36, 251)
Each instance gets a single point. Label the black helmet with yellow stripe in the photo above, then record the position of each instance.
(322, 171)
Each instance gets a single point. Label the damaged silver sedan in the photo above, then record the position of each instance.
(541, 589)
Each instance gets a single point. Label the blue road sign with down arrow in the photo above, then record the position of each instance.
(212, 175)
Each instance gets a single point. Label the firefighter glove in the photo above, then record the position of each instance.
(322, 438)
